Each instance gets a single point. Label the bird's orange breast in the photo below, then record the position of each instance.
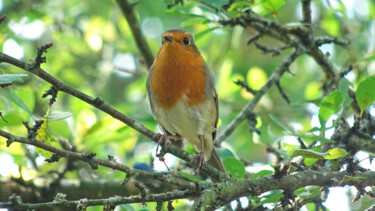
(178, 72)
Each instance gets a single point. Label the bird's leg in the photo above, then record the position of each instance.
(200, 155)
(162, 139)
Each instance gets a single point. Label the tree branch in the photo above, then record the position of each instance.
(128, 11)
(98, 103)
(111, 201)
(96, 161)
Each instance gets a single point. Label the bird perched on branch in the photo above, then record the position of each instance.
(182, 95)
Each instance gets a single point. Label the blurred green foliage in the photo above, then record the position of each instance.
(94, 52)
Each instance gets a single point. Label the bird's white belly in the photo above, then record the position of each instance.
(187, 120)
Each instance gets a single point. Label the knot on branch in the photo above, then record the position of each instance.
(159, 205)
(32, 131)
(170, 206)
(252, 119)
(39, 59)
(280, 172)
(53, 92)
(82, 204)
(111, 158)
(287, 199)
(88, 158)
(97, 102)
(60, 198)
(15, 199)
(10, 141)
(53, 158)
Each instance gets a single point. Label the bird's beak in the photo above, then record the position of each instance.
(168, 38)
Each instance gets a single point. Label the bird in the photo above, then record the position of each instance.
(182, 96)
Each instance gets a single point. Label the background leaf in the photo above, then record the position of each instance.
(365, 93)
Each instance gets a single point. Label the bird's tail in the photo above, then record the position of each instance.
(215, 161)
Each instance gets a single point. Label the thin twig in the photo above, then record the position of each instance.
(282, 92)
(128, 11)
(284, 66)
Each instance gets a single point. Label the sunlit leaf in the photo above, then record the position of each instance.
(190, 149)
(329, 155)
(331, 24)
(365, 93)
(312, 91)
(43, 135)
(369, 58)
(256, 78)
(335, 153)
(310, 161)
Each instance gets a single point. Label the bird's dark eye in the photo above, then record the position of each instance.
(186, 41)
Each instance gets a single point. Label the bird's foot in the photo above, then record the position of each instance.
(162, 140)
(199, 156)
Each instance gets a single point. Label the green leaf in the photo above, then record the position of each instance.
(344, 85)
(308, 192)
(18, 101)
(10, 78)
(369, 58)
(273, 5)
(351, 179)
(169, 2)
(310, 161)
(239, 5)
(189, 177)
(365, 93)
(190, 149)
(179, 12)
(262, 173)
(272, 197)
(330, 105)
(234, 167)
(216, 3)
(202, 33)
(306, 153)
(59, 115)
(224, 153)
(195, 21)
(317, 138)
(329, 155)
(335, 153)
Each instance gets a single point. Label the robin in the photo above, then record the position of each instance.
(182, 95)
